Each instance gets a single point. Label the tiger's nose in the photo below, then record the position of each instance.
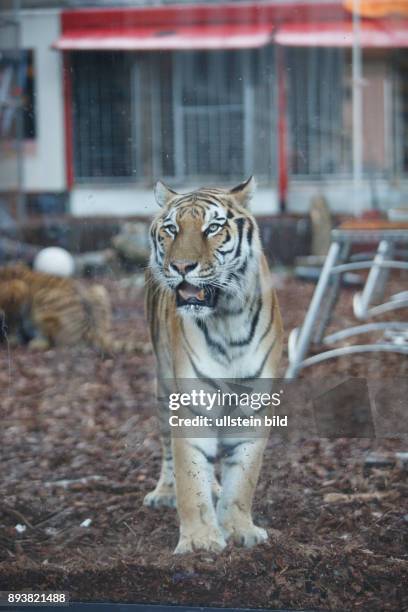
(182, 266)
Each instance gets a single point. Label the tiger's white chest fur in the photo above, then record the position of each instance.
(234, 342)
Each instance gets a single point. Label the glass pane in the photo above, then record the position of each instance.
(146, 276)
(102, 115)
(321, 140)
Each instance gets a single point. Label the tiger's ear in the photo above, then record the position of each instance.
(163, 194)
(244, 191)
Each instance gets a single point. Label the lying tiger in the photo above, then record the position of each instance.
(212, 313)
(43, 310)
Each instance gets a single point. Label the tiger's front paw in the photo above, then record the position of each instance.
(161, 498)
(248, 535)
(212, 541)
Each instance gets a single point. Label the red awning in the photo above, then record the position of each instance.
(224, 36)
(374, 34)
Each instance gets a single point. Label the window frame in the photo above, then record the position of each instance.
(147, 147)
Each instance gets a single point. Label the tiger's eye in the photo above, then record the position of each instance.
(171, 229)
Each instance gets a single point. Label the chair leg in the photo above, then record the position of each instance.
(375, 283)
(378, 294)
(305, 334)
(330, 301)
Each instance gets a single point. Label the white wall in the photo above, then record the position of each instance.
(127, 200)
(44, 158)
(343, 199)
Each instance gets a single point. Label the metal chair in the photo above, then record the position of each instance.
(388, 235)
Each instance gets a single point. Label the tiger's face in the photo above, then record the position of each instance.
(203, 244)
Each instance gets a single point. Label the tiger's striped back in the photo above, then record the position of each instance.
(51, 310)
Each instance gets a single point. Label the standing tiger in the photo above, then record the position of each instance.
(212, 313)
(45, 310)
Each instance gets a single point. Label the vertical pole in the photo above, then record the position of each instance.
(136, 124)
(20, 195)
(178, 121)
(156, 115)
(69, 153)
(357, 77)
(249, 109)
(387, 88)
(282, 132)
(396, 136)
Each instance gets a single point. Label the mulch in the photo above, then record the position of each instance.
(79, 450)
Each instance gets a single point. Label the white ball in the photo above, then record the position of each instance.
(54, 260)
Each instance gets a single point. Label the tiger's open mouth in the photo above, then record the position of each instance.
(190, 295)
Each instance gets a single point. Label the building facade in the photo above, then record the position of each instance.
(198, 94)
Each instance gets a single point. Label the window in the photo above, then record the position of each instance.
(17, 78)
(187, 116)
(102, 115)
(210, 121)
(321, 144)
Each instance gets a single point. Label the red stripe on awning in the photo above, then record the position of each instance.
(203, 37)
(374, 34)
(197, 13)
